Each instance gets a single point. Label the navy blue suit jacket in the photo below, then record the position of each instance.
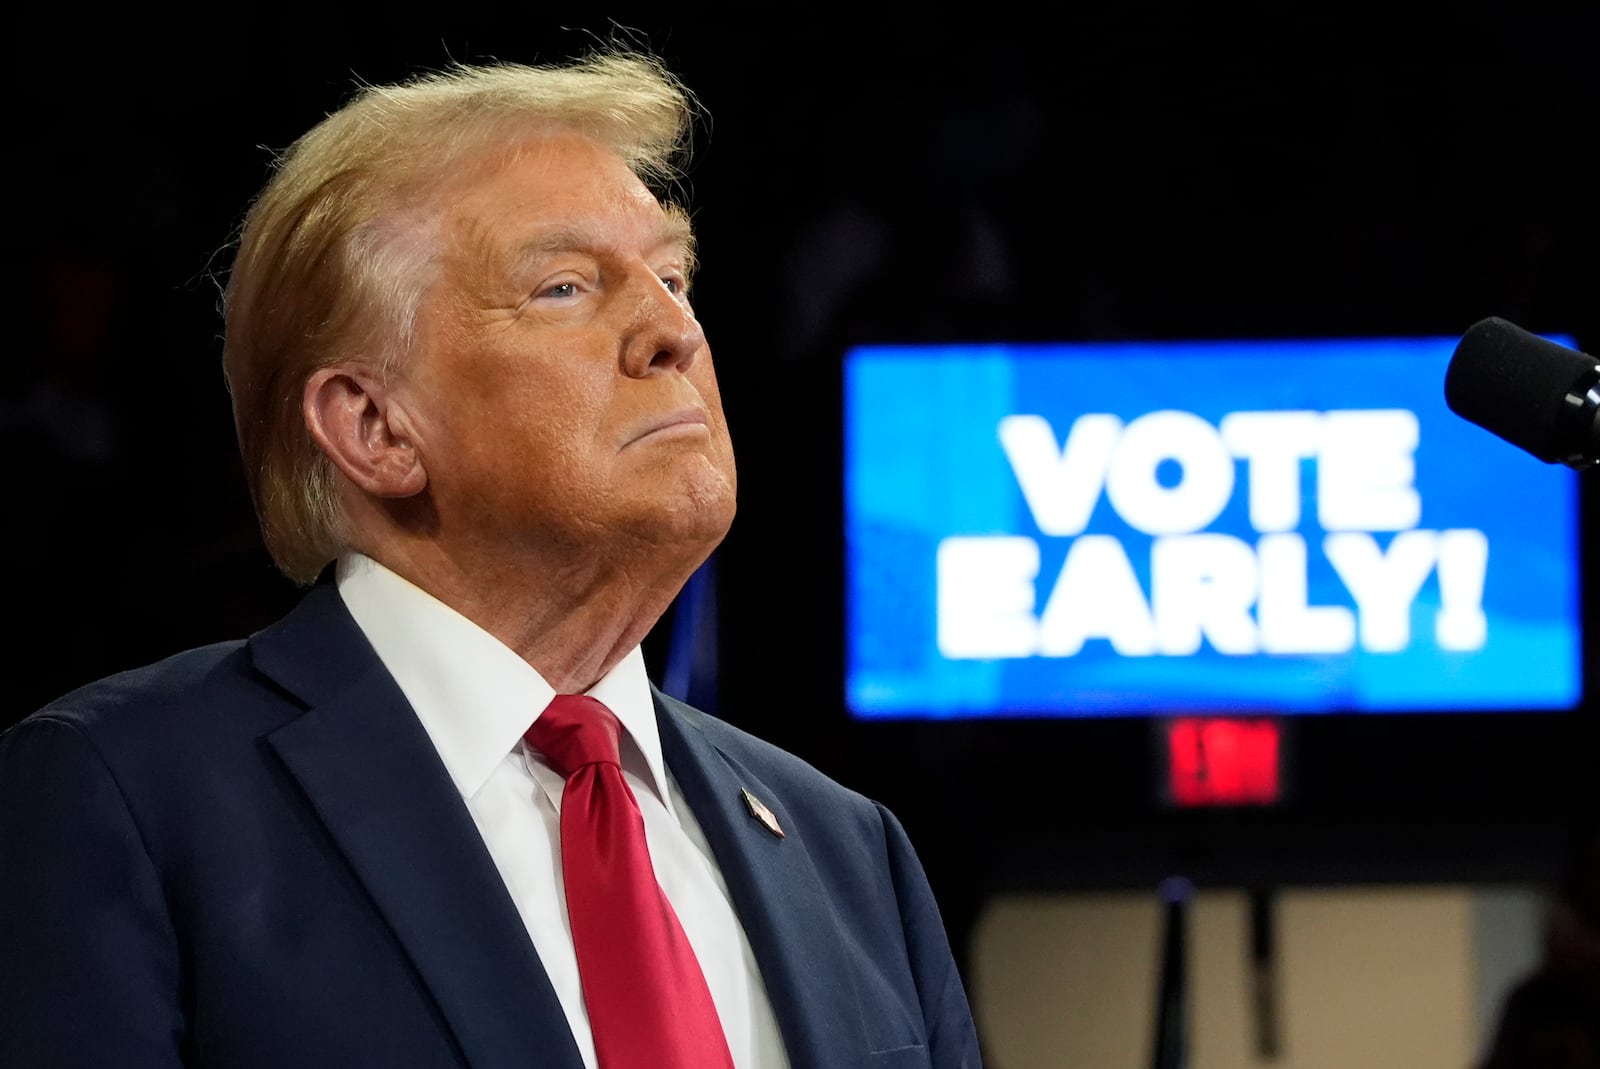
(250, 855)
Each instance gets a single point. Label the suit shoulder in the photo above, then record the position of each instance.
(168, 690)
(754, 750)
(798, 781)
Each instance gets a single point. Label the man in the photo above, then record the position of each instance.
(479, 417)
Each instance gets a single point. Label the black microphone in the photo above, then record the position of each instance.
(1539, 396)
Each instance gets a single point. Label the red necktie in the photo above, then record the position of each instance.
(648, 1002)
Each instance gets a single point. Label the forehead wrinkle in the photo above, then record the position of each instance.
(673, 231)
(623, 212)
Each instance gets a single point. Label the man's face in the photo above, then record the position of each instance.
(563, 395)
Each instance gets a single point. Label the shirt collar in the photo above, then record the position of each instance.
(474, 695)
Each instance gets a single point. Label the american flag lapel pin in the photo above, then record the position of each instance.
(759, 810)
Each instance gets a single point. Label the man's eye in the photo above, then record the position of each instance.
(562, 289)
(673, 284)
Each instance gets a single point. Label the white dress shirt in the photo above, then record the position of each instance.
(476, 698)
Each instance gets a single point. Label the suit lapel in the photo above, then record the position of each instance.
(777, 893)
(373, 777)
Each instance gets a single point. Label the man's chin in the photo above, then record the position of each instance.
(693, 520)
(701, 523)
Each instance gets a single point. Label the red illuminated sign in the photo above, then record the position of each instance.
(1220, 761)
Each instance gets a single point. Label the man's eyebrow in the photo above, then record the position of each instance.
(555, 240)
(677, 230)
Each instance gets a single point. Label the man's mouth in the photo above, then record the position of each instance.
(679, 423)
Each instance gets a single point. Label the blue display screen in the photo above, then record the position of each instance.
(1265, 526)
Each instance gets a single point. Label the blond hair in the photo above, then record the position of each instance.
(336, 251)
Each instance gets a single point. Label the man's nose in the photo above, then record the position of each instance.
(664, 333)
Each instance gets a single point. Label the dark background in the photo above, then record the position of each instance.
(1154, 171)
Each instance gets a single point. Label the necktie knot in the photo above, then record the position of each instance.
(574, 731)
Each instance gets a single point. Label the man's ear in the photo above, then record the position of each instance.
(349, 414)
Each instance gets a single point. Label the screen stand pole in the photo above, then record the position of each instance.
(1264, 971)
(1172, 993)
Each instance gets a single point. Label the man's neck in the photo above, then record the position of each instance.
(572, 622)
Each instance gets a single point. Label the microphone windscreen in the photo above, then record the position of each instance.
(1514, 384)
